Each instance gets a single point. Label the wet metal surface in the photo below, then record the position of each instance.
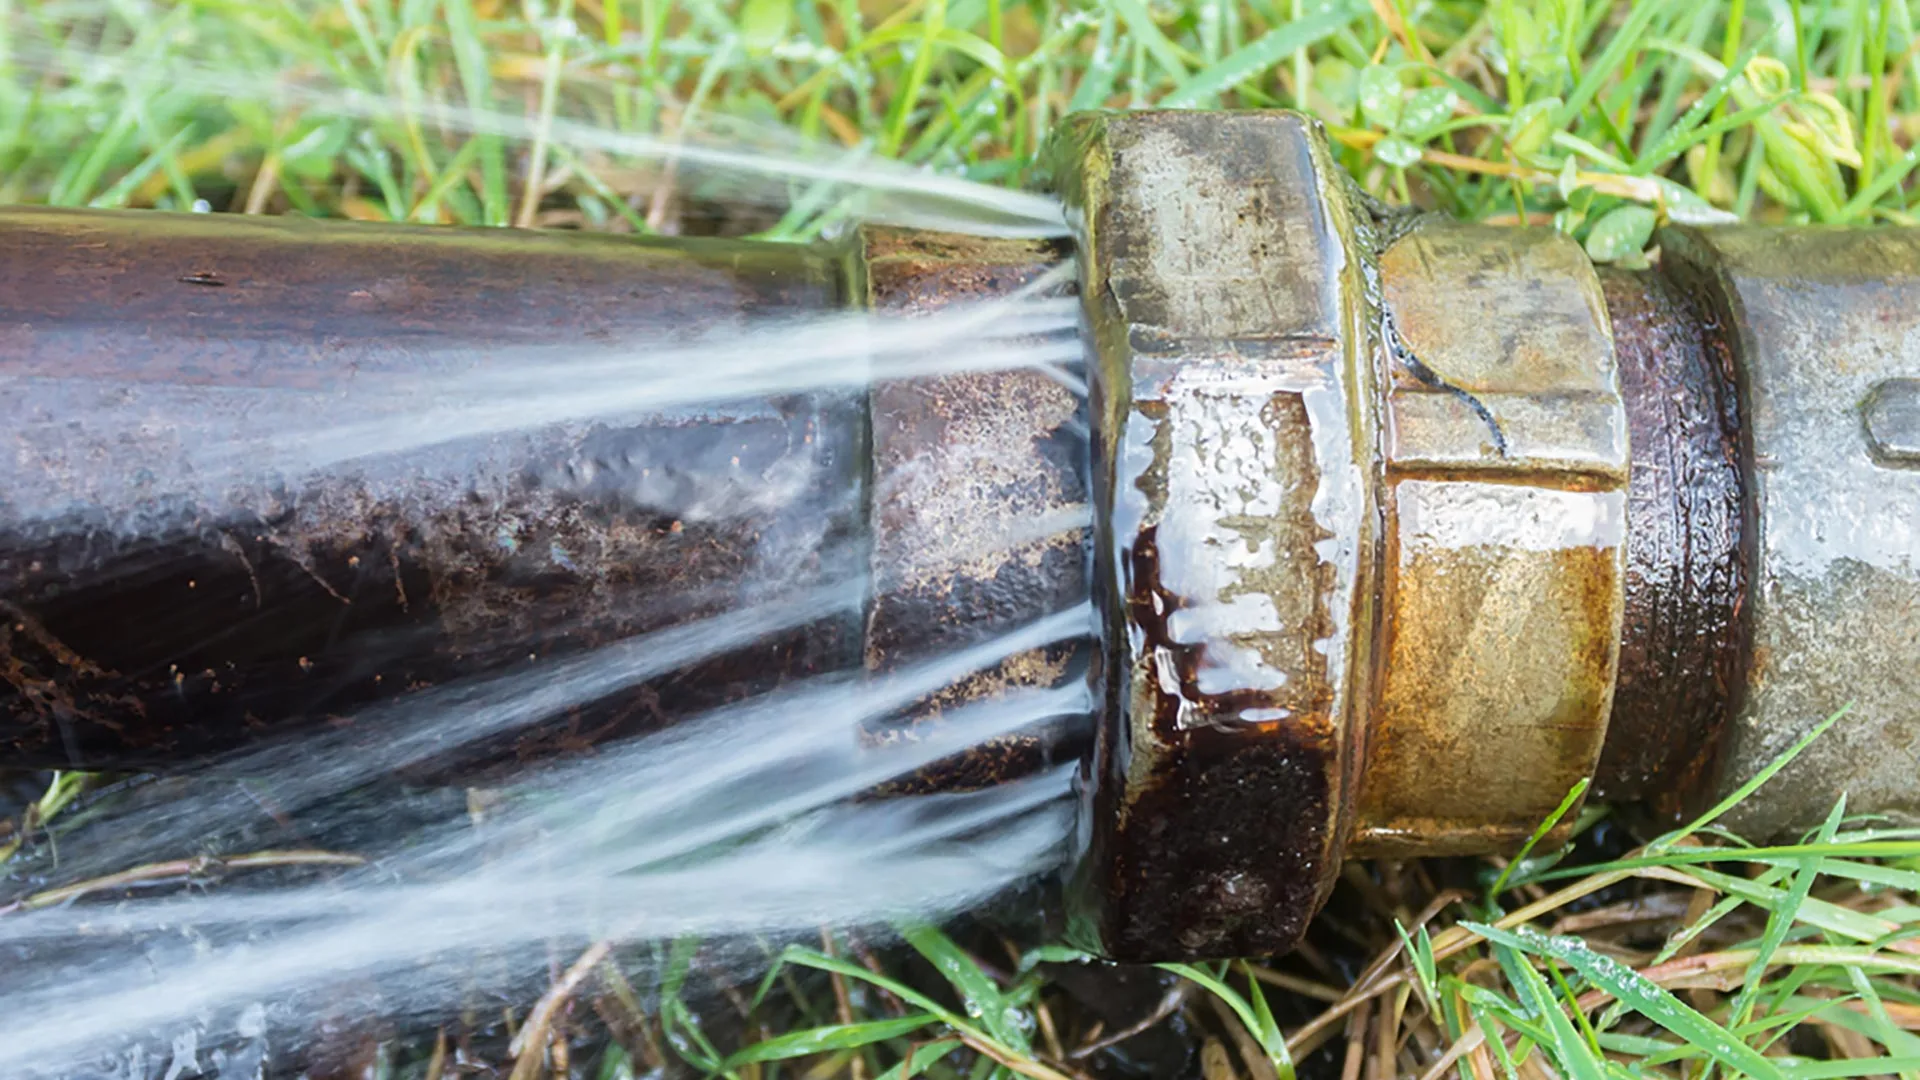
(979, 522)
(1823, 320)
(1892, 416)
(151, 617)
(1383, 543)
(1683, 641)
(1234, 538)
(1505, 548)
(1511, 320)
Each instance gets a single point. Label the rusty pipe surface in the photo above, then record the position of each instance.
(165, 599)
(1405, 527)
(153, 616)
(1400, 528)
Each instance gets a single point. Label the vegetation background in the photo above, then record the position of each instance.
(1689, 956)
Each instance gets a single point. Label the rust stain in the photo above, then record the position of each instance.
(1684, 634)
(1223, 839)
(979, 507)
(1502, 597)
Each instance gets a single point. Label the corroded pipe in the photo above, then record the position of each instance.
(1403, 527)
(156, 610)
(1400, 527)
(161, 606)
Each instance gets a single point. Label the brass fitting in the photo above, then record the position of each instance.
(1390, 525)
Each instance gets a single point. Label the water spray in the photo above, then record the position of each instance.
(1395, 530)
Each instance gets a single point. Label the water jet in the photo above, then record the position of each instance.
(1395, 528)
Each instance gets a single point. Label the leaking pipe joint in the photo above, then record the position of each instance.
(1404, 527)
(1395, 529)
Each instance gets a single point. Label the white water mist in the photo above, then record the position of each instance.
(738, 822)
(745, 824)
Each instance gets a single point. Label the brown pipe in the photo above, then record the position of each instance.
(1684, 639)
(157, 611)
(160, 610)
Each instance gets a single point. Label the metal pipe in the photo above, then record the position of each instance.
(1404, 527)
(1399, 527)
(162, 606)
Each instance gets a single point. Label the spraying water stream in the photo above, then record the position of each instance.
(745, 819)
(200, 921)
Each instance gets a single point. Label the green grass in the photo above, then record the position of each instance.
(1699, 958)
(1772, 109)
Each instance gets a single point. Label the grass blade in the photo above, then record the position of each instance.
(1688, 129)
(805, 957)
(1576, 1058)
(1142, 28)
(1834, 1070)
(1609, 63)
(832, 1037)
(1257, 56)
(1639, 994)
(920, 1059)
(1739, 794)
(1782, 919)
(1574, 795)
(1272, 1039)
(978, 992)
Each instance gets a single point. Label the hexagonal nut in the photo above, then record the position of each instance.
(1506, 511)
(1235, 544)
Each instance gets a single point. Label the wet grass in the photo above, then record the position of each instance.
(1693, 955)
(1598, 115)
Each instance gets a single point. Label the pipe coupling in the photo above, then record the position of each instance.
(1366, 490)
